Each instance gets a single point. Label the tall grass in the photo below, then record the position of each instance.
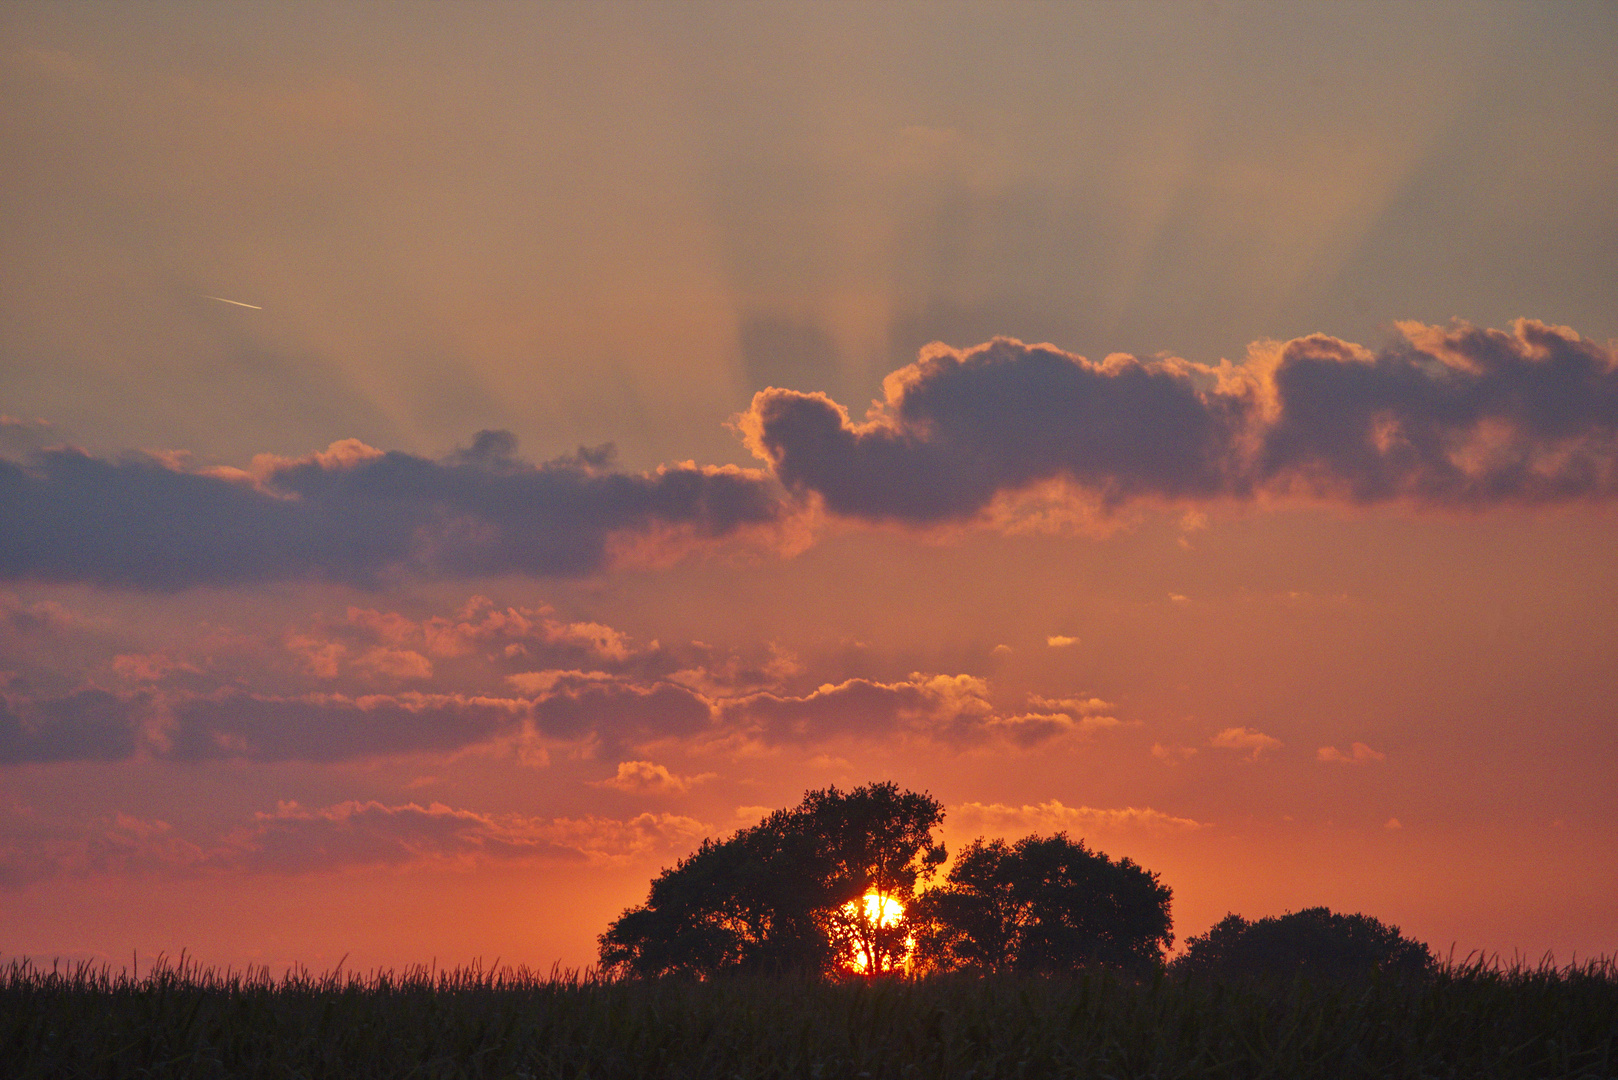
(181, 1020)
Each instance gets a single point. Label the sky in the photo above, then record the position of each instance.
(451, 464)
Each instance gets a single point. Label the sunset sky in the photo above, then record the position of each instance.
(454, 459)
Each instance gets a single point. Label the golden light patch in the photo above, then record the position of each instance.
(874, 912)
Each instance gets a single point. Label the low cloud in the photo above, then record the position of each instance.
(329, 728)
(351, 835)
(1023, 436)
(1245, 738)
(93, 725)
(1444, 416)
(950, 707)
(347, 835)
(998, 819)
(1358, 754)
(89, 725)
(354, 514)
(1054, 718)
(619, 712)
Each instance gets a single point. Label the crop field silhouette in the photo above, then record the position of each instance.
(1470, 1019)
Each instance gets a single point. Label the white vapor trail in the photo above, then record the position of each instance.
(238, 303)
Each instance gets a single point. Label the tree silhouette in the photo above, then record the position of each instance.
(1314, 942)
(787, 894)
(1043, 904)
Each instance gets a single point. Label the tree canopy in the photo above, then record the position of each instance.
(1043, 904)
(1314, 942)
(787, 894)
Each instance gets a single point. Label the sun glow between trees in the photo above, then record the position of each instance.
(869, 916)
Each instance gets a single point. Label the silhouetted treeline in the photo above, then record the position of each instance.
(790, 895)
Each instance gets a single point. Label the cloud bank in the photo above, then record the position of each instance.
(1444, 416)
(1452, 416)
(353, 514)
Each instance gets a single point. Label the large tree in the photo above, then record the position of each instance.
(1043, 904)
(1315, 942)
(787, 894)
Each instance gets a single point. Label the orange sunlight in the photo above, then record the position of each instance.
(873, 911)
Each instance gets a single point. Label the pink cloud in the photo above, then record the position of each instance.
(998, 819)
(1245, 738)
(293, 839)
(646, 777)
(1359, 754)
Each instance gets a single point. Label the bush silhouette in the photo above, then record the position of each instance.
(784, 895)
(1315, 943)
(1043, 904)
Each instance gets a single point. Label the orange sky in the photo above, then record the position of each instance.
(328, 626)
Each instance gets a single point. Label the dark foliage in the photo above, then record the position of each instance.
(1043, 904)
(781, 896)
(1471, 1022)
(1314, 943)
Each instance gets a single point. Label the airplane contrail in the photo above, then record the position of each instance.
(222, 300)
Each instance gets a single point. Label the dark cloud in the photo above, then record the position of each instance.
(351, 514)
(90, 725)
(620, 711)
(959, 428)
(255, 728)
(1455, 416)
(1458, 416)
(934, 705)
(615, 713)
(355, 834)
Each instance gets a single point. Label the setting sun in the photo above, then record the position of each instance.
(874, 950)
(879, 910)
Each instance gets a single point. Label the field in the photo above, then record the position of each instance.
(179, 1020)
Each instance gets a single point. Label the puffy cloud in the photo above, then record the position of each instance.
(1358, 754)
(1060, 641)
(647, 777)
(998, 819)
(478, 644)
(1244, 738)
(1447, 416)
(958, 428)
(353, 514)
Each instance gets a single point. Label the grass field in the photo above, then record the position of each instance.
(183, 1021)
